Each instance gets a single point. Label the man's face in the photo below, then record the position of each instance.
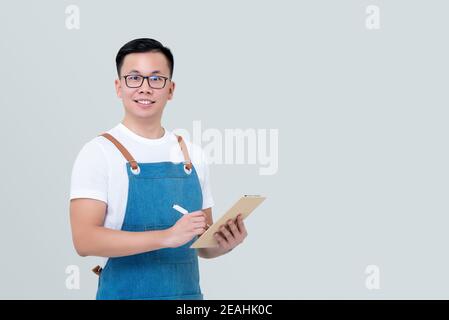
(144, 102)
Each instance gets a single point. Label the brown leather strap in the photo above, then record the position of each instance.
(185, 152)
(122, 149)
(133, 163)
(97, 270)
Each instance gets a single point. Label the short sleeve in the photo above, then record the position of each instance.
(208, 200)
(90, 173)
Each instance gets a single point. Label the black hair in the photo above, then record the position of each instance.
(144, 45)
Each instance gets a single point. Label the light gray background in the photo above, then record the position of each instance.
(362, 119)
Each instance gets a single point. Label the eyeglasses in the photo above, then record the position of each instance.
(136, 81)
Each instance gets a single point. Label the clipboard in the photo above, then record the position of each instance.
(245, 205)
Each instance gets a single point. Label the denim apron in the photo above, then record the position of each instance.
(164, 274)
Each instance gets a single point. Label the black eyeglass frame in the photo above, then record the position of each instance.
(143, 79)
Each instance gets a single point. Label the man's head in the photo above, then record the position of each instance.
(144, 98)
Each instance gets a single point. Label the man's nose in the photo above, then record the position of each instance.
(145, 87)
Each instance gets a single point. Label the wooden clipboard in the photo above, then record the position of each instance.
(245, 205)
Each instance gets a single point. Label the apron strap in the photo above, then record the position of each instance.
(133, 162)
(122, 149)
(185, 152)
(97, 270)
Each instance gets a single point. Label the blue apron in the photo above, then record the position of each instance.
(169, 273)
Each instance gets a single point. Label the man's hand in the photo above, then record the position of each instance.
(187, 227)
(232, 234)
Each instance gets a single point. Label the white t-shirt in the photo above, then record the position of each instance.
(99, 171)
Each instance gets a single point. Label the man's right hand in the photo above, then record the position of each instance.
(187, 227)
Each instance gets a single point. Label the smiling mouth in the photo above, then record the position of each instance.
(145, 102)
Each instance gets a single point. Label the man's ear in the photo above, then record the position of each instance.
(118, 88)
(171, 90)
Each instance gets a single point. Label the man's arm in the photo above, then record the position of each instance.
(92, 239)
(229, 236)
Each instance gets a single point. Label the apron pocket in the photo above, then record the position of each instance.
(182, 254)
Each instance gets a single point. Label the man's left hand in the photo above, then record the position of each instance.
(231, 234)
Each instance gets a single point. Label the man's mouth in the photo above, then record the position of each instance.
(144, 102)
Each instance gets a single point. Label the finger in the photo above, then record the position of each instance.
(229, 237)
(221, 240)
(198, 213)
(237, 221)
(199, 231)
(198, 219)
(233, 229)
(241, 226)
(199, 224)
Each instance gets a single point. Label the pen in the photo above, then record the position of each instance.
(180, 209)
(183, 211)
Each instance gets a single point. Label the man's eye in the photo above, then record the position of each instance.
(134, 78)
(155, 78)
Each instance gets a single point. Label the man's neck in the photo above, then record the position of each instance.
(146, 130)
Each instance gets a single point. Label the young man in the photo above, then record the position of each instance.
(126, 181)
